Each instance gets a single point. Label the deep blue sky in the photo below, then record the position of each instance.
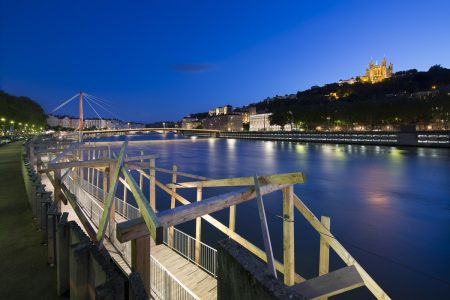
(161, 60)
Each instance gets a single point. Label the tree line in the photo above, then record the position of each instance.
(21, 110)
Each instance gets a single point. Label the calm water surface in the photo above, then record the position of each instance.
(389, 206)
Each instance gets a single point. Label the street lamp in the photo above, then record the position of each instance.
(3, 125)
(11, 129)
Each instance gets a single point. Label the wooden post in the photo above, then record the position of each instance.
(89, 169)
(232, 218)
(105, 182)
(265, 230)
(152, 184)
(57, 189)
(140, 260)
(62, 256)
(172, 202)
(81, 169)
(112, 215)
(52, 220)
(141, 178)
(288, 235)
(125, 192)
(198, 230)
(324, 259)
(97, 184)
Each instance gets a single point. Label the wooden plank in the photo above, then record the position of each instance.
(287, 178)
(331, 284)
(124, 182)
(111, 193)
(191, 211)
(265, 229)
(183, 174)
(376, 290)
(151, 220)
(80, 164)
(324, 253)
(136, 228)
(64, 153)
(172, 202)
(81, 216)
(288, 236)
(141, 157)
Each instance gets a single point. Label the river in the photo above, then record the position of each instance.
(389, 206)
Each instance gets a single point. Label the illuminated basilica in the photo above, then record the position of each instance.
(376, 73)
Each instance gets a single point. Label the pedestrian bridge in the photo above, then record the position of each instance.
(146, 130)
(100, 185)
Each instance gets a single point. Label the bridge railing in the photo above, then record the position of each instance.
(128, 231)
(164, 285)
(185, 245)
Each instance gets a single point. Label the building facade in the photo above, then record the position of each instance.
(74, 123)
(246, 112)
(222, 110)
(261, 122)
(190, 123)
(224, 123)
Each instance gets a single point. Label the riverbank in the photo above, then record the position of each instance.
(24, 270)
(438, 139)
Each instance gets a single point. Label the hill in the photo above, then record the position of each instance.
(407, 97)
(21, 109)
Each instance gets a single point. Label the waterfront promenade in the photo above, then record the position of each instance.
(23, 260)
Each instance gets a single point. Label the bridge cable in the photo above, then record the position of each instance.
(105, 102)
(88, 102)
(104, 108)
(382, 257)
(64, 103)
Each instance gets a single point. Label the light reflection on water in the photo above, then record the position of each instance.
(391, 201)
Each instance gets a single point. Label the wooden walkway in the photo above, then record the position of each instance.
(203, 285)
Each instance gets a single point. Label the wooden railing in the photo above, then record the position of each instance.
(116, 168)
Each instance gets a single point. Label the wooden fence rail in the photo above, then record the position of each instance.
(117, 169)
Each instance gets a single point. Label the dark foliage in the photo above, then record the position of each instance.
(21, 109)
(392, 101)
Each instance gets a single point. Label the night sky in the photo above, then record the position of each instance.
(161, 60)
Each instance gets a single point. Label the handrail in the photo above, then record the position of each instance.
(208, 255)
(94, 216)
(192, 248)
(171, 276)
